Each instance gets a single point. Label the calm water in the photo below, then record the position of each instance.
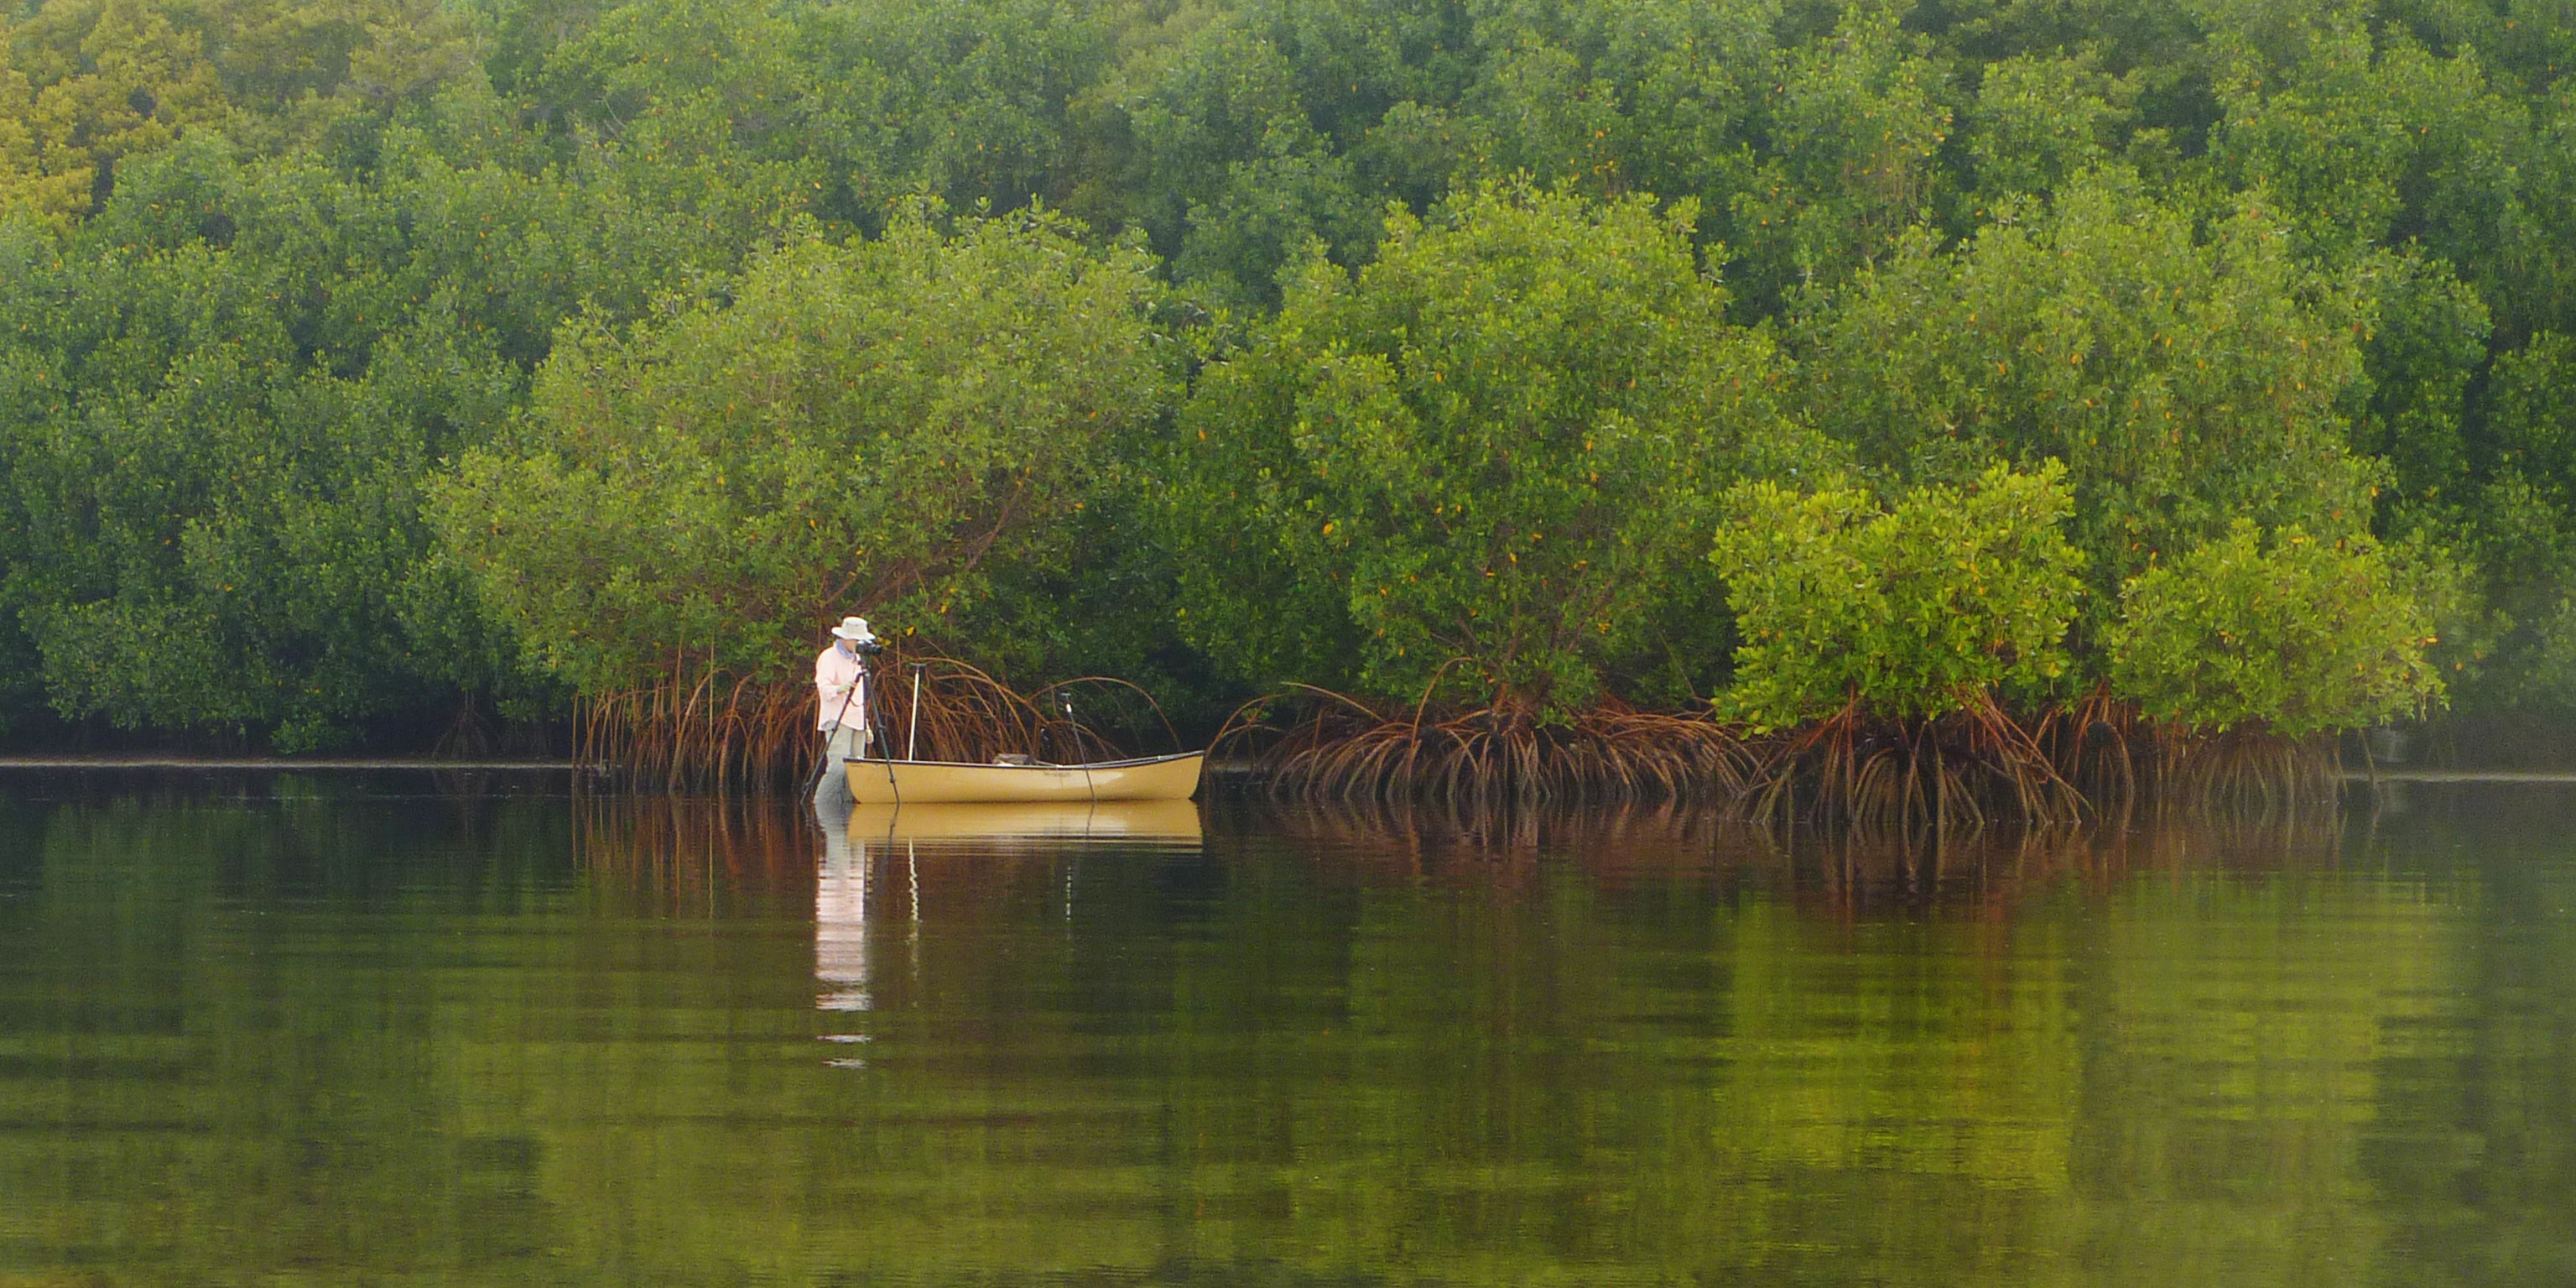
(343, 1029)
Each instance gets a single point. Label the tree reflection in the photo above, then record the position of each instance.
(542, 1040)
(1841, 872)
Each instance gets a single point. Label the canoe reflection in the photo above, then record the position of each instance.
(1153, 821)
(874, 859)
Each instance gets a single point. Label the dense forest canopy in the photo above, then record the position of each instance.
(364, 362)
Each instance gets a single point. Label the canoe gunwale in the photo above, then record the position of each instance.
(1133, 762)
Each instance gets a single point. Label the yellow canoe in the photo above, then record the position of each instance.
(927, 782)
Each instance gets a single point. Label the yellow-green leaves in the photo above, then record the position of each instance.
(1910, 611)
(2295, 633)
(83, 84)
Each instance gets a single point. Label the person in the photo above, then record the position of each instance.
(841, 691)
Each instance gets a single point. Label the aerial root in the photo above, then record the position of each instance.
(1341, 750)
(1971, 767)
(697, 727)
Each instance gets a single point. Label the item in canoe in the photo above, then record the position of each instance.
(929, 782)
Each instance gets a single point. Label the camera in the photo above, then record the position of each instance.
(870, 647)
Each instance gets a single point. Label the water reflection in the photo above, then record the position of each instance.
(332, 1038)
(841, 919)
(971, 841)
(1839, 873)
(1022, 823)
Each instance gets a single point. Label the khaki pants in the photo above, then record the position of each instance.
(841, 742)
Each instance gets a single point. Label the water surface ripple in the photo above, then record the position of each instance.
(351, 1028)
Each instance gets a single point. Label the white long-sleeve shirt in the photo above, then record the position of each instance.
(837, 673)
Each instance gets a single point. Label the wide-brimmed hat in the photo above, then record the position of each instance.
(854, 629)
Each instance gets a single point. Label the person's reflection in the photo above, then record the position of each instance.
(841, 922)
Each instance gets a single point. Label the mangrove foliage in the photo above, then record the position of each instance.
(1605, 395)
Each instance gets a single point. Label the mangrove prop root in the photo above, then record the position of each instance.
(1342, 751)
(1973, 767)
(695, 727)
(1964, 769)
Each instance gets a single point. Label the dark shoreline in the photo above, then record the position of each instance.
(276, 762)
(1236, 773)
(2462, 776)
